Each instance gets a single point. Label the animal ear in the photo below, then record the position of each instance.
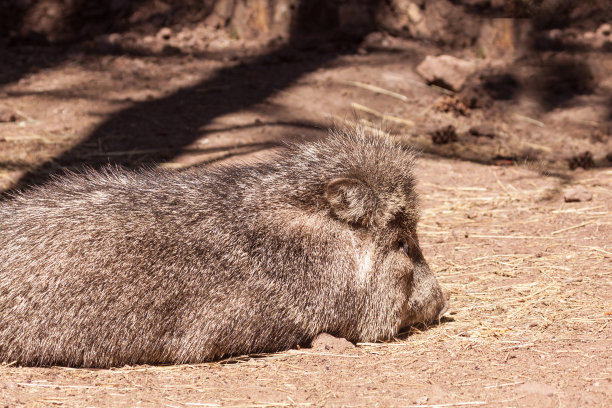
(351, 200)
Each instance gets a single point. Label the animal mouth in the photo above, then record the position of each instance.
(442, 311)
(423, 320)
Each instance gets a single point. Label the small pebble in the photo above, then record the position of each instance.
(577, 194)
(165, 33)
(326, 342)
(7, 115)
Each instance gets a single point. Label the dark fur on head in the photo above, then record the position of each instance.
(113, 268)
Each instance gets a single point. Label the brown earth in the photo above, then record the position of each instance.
(529, 275)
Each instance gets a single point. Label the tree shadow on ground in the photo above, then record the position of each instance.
(157, 130)
(560, 80)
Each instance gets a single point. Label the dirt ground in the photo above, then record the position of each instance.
(529, 275)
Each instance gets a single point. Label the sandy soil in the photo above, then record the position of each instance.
(529, 275)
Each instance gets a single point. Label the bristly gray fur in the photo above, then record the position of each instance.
(117, 267)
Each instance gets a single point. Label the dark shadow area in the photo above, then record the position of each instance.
(482, 8)
(226, 152)
(62, 21)
(157, 130)
(501, 86)
(18, 62)
(544, 14)
(35, 35)
(560, 80)
(294, 124)
(40, 34)
(563, 71)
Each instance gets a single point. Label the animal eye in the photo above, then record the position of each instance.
(403, 244)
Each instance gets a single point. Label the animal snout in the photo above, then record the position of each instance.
(443, 303)
(443, 308)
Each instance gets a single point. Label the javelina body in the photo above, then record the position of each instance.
(113, 268)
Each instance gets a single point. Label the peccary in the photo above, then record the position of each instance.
(129, 267)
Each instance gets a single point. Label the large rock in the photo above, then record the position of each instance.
(447, 71)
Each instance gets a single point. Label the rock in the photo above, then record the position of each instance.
(589, 35)
(577, 194)
(327, 342)
(471, 214)
(604, 30)
(113, 38)
(165, 33)
(414, 12)
(446, 71)
(7, 115)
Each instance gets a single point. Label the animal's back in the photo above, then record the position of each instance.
(96, 269)
(155, 267)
